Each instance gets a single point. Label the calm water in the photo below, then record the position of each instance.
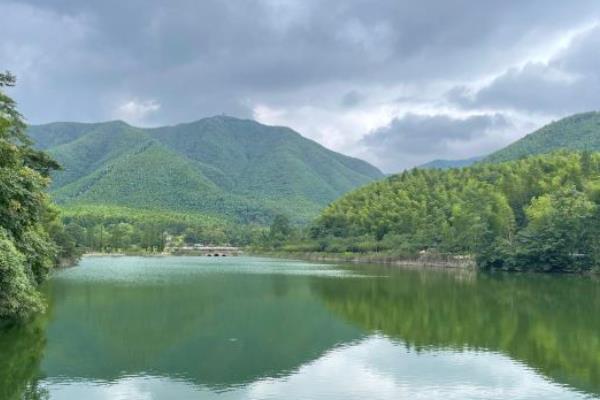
(250, 328)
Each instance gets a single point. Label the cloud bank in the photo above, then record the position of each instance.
(371, 79)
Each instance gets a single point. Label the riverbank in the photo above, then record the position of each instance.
(424, 260)
(125, 254)
(209, 252)
(66, 262)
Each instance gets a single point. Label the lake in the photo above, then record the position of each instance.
(256, 328)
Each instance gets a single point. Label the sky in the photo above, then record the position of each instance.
(395, 82)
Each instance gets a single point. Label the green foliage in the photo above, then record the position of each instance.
(280, 229)
(26, 251)
(577, 132)
(280, 233)
(222, 166)
(446, 164)
(559, 234)
(536, 213)
(117, 229)
(18, 296)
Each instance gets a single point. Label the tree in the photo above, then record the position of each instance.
(558, 235)
(541, 212)
(120, 235)
(191, 236)
(26, 251)
(280, 229)
(18, 296)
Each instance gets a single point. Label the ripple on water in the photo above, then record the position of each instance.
(156, 269)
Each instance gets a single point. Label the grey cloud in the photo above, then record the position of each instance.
(415, 139)
(352, 99)
(82, 60)
(569, 83)
(204, 57)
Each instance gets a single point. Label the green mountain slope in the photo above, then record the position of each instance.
(447, 164)
(541, 212)
(250, 158)
(577, 132)
(86, 148)
(219, 165)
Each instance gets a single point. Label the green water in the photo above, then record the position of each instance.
(251, 328)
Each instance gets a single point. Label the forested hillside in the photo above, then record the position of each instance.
(577, 132)
(133, 230)
(446, 164)
(222, 166)
(540, 213)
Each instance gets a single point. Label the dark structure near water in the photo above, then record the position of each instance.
(208, 251)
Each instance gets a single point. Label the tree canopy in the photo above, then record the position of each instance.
(537, 213)
(27, 252)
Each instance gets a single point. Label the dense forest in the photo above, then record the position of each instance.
(540, 213)
(113, 229)
(221, 166)
(447, 164)
(32, 237)
(580, 132)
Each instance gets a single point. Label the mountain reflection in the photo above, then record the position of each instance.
(549, 322)
(131, 328)
(218, 330)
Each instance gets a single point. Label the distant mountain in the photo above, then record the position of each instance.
(577, 132)
(447, 164)
(218, 165)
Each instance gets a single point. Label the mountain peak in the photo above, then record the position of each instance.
(221, 165)
(575, 132)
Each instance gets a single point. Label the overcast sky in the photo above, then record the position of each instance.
(395, 82)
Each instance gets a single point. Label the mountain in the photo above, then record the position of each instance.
(577, 132)
(447, 164)
(220, 165)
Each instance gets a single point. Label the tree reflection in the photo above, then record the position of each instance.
(211, 330)
(549, 322)
(21, 351)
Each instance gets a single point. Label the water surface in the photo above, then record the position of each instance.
(252, 328)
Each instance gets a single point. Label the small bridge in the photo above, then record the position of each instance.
(209, 251)
(220, 251)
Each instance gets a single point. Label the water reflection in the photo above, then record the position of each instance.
(215, 328)
(21, 351)
(187, 328)
(373, 368)
(551, 323)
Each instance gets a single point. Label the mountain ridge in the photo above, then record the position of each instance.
(578, 132)
(218, 165)
(447, 164)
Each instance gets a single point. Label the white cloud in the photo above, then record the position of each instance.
(137, 111)
(376, 368)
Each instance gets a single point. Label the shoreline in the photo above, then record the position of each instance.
(374, 258)
(100, 254)
(459, 263)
